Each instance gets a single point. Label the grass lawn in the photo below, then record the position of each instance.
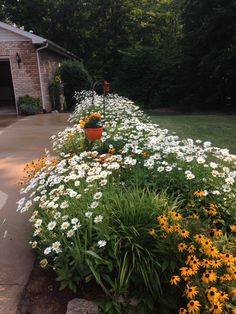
(220, 130)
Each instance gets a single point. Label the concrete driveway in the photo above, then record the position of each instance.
(21, 140)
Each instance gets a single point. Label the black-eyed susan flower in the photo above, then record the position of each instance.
(233, 228)
(206, 263)
(193, 306)
(209, 276)
(182, 311)
(199, 238)
(182, 246)
(225, 277)
(223, 296)
(176, 216)
(216, 308)
(191, 292)
(212, 294)
(184, 233)
(212, 252)
(152, 232)
(191, 249)
(216, 263)
(216, 232)
(199, 193)
(175, 280)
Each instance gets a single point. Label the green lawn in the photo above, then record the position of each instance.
(220, 130)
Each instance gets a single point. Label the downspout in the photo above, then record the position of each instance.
(40, 76)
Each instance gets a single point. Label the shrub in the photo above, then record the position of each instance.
(74, 77)
(29, 105)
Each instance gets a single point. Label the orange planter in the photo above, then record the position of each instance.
(93, 133)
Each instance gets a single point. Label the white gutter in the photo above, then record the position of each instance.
(40, 77)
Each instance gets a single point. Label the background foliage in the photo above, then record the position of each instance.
(174, 52)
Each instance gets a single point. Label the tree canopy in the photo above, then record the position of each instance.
(159, 52)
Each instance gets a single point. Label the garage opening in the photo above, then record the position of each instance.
(7, 99)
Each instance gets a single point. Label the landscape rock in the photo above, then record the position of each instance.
(81, 306)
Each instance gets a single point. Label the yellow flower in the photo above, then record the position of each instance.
(182, 247)
(227, 259)
(152, 232)
(168, 229)
(184, 233)
(209, 276)
(212, 294)
(216, 308)
(233, 292)
(182, 311)
(174, 280)
(233, 228)
(162, 219)
(206, 263)
(216, 232)
(199, 193)
(213, 252)
(206, 243)
(225, 277)
(193, 306)
(176, 216)
(215, 263)
(186, 272)
(191, 292)
(199, 238)
(191, 249)
(223, 296)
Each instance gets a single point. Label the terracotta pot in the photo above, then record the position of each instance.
(93, 133)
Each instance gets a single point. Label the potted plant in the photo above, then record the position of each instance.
(92, 126)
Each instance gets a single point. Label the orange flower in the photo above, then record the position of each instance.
(191, 292)
(182, 247)
(193, 306)
(233, 228)
(184, 233)
(199, 193)
(216, 308)
(209, 276)
(152, 232)
(176, 216)
(174, 280)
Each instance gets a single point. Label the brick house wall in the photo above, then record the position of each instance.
(49, 62)
(25, 76)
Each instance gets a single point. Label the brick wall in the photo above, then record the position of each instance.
(26, 77)
(49, 62)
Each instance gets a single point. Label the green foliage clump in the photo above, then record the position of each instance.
(29, 105)
(55, 90)
(74, 77)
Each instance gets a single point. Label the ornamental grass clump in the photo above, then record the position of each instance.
(146, 215)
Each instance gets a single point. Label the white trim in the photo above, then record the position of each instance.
(7, 58)
(40, 77)
(35, 39)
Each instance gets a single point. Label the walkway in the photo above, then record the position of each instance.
(20, 142)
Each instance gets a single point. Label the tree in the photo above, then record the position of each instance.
(209, 39)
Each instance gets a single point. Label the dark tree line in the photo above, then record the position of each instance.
(159, 52)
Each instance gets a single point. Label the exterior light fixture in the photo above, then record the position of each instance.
(18, 59)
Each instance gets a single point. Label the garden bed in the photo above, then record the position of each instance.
(148, 216)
